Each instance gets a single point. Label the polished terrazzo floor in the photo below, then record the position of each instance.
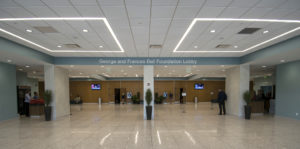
(175, 126)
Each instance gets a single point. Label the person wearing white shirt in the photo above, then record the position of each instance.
(26, 103)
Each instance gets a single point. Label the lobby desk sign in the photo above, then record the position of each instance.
(147, 61)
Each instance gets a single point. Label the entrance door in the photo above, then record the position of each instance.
(117, 95)
(180, 96)
(21, 91)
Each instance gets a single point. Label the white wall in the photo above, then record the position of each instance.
(23, 80)
(148, 84)
(237, 82)
(57, 80)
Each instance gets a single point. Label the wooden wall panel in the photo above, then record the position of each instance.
(83, 88)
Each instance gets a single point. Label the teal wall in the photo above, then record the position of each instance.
(8, 92)
(288, 90)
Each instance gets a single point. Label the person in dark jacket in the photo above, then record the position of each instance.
(221, 100)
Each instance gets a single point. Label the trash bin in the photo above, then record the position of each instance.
(99, 101)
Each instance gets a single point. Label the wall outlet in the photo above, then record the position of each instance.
(297, 114)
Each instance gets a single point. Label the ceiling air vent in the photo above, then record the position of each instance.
(248, 30)
(155, 46)
(223, 46)
(72, 46)
(45, 29)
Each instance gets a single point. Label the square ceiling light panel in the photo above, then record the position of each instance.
(99, 34)
(205, 35)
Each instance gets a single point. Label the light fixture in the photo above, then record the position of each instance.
(263, 66)
(27, 66)
(85, 30)
(64, 19)
(59, 46)
(235, 46)
(234, 20)
(266, 31)
(100, 46)
(282, 61)
(21, 69)
(136, 75)
(9, 60)
(28, 30)
(195, 47)
(157, 75)
(212, 31)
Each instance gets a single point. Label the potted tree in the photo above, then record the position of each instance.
(48, 108)
(148, 101)
(247, 107)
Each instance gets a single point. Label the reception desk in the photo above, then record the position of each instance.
(257, 106)
(36, 107)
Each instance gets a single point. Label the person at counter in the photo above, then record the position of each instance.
(35, 95)
(26, 103)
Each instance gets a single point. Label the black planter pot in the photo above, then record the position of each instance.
(48, 111)
(247, 112)
(149, 112)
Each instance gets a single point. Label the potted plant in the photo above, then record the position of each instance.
(247, 107)
(135, 99)
(148, 101)
(48, 108)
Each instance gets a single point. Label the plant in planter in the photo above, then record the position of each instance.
(138, 95)
(247, 98)
(148, 101)
(135, 99)
(48, 108)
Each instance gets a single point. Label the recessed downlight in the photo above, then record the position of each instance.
(212, 31)
(195, 47)
(282, 61)
(21, 69)
(266, 31)
(235, 46)
(85, 30)
(80, 73)
(28, 30)
(71, 66)
(59, 46)
(9, 60)
(102, 66)
(100, 46)
(27, 66)
(263, 66)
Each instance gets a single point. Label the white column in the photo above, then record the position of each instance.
(148, 84)
(237, 82)
(57, 80)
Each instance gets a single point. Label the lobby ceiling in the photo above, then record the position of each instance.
(138, 24)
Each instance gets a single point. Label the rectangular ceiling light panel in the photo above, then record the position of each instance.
(244, 31)
(52, 30)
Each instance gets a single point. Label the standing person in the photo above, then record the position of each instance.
(221, 99)
(26, 103)
(123, 98)
(35, 95)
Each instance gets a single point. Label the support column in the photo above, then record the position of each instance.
(237, 82)
(57, 80)
(148, 84)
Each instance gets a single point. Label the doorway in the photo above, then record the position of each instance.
(117, 95)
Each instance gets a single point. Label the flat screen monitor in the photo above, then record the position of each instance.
(95, 86)
(199, 86)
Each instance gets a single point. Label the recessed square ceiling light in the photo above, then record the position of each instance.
(85, 30)
(28, 30)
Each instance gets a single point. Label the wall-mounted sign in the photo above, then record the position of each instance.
(147, 61)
